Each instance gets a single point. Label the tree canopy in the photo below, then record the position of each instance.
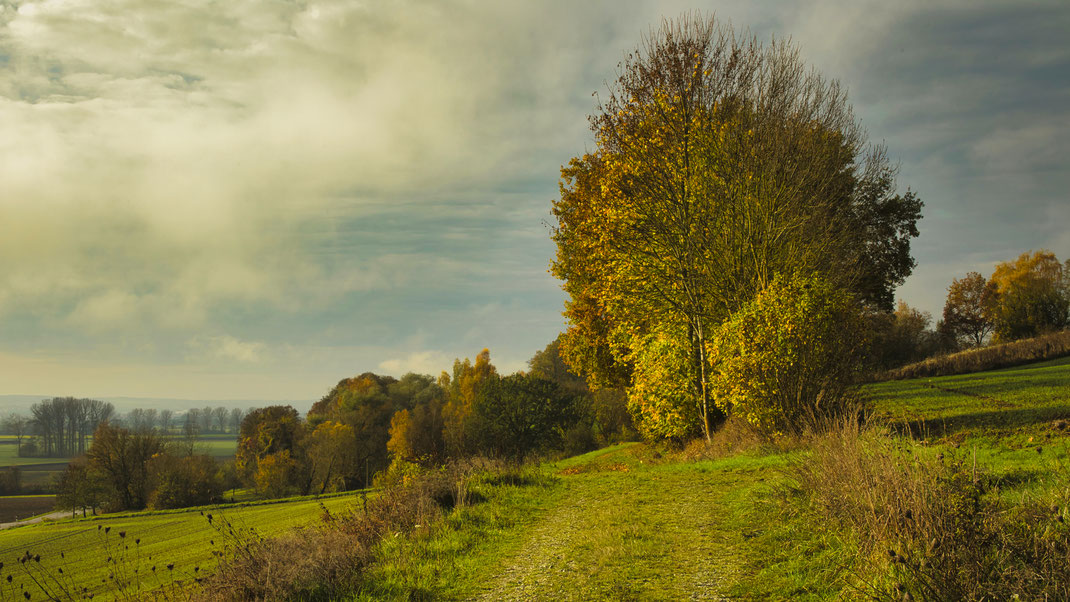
(720, 164)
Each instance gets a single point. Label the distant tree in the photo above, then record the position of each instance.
(1032, 296)
(166, 419)
(274, 476)
(332, 453)
(548, 364)
(191, 431)
(207, 419)
(234, 420)
(11, 481)
(19, 426)
(65, 423)
(901, 337)
(182, 481)
(970, 309)
(141, 419)
(518, 414)
(191, 423)
(122, 457)
(401, 431)
(79, 488)
(266, 432)
(416, 435)
(220, 415)
(468, 383)
(912, 338)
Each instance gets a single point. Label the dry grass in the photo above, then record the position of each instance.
(326, 562)
(734, 436)
(931, 528)
(1046, 347)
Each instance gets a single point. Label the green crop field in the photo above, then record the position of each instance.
(1001, 400)
(222, 447)
(144, 540)
(9, 456)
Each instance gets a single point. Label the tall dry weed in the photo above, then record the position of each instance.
(930, 526)
(325, 562)
(1045, 347)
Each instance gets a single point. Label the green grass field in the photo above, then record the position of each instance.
(183, 538)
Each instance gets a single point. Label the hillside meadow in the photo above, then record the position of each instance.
(736, 519)
(150, 541)
(634, 523)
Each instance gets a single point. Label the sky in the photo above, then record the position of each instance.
(256, 199)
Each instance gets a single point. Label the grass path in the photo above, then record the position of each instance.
(617, 524)
(634, 536)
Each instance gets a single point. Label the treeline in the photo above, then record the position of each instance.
(1023, 298)
(129, 469)
(377, 425)
(61, 427)
(208, 420)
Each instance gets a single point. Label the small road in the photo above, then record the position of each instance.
(36, 519)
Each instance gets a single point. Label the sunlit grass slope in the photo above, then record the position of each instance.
(182, 538)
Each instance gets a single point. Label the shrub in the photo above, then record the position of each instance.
(934, 529)
(662, 399)
(325, 562)
(790, 359)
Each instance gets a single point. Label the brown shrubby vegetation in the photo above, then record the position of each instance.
(1050, 346)
(325, 562)
(934, 528)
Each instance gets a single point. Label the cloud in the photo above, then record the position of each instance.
(321, 180)
(227, 348)
(421, 362)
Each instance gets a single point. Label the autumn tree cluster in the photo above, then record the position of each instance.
(126, 469)
(1026, 297)
(370, 423)
(726, 176)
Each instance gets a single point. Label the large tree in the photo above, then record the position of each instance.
(1032, 296)
(970, 309)
(721, 163)
(122, 457)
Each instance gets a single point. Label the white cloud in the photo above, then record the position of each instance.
(226, 348)
(422, 362)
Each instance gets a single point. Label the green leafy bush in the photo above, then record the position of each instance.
(790, 359)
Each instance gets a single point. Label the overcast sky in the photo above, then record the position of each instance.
(255, 199)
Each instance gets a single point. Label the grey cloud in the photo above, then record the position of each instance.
(329, 178)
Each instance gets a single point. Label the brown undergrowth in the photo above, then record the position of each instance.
(993, 357)
(325, 562)
(933, 528)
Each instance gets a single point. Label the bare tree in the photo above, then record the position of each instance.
(236, 416)
(167, 418)
(219, 416)
(19, 426)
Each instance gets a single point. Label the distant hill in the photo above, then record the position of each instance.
(22, 403)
